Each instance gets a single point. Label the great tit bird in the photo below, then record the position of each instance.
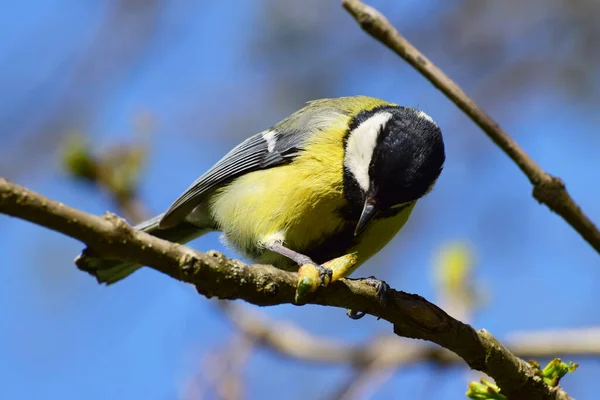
(329, 186)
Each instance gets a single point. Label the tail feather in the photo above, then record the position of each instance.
(111, 271)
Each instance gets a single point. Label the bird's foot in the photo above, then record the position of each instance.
(325, 275)
(310, 278)
(383, 291)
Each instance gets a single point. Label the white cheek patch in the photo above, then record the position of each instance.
(424, 116)
(360, 146)
(270, 137)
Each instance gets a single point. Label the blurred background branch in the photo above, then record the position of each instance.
(220, 374)
(390, 351)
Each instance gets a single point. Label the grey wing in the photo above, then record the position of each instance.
(273, 147)
(263, 150)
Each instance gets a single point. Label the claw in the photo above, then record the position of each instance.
(355, 315)
(383, 291)
(325, 275)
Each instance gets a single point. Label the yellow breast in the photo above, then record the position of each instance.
(378, 234)
(297, 202)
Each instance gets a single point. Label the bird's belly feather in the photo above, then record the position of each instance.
(300, 209)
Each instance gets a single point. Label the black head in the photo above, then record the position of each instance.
(394, 156)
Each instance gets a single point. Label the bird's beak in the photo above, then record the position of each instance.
(368, 212)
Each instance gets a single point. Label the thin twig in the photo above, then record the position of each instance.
(292, 341)
(224, 368)
(213, 274)
(547, 189)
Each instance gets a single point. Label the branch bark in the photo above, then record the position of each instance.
(547, 189)
(214, 275)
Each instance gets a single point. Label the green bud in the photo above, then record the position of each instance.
(555, 370)
(484, 390)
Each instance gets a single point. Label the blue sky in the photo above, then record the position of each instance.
(63, 336)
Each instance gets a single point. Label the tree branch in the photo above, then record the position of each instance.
(214, 275)
(547, 189)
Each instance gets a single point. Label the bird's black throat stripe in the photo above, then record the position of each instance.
(338, 244)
